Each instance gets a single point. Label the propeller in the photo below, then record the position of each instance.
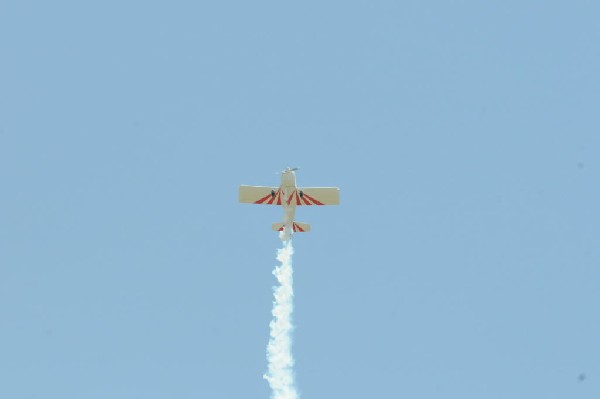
(288, 169)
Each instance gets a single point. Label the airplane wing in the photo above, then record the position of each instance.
(260, 195)
(318, 196)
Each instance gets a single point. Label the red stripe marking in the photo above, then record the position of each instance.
(289, 200)
(298, 199)
(313, 200)
(298, 228)
(270, 202)
(305, 200)
(279, 197)
(263, 199)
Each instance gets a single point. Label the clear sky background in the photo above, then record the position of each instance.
(462, 263)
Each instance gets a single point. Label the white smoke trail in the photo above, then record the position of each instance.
(280, 374)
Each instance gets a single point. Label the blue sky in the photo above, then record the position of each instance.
(462, 262)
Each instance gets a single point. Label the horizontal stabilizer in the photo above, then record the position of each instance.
(298, 227)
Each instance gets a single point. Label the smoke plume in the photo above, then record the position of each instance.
(280, 374)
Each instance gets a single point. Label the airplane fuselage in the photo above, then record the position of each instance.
(288, 188)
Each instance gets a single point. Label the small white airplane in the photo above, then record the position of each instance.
(288, 195)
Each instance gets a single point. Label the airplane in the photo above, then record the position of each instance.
(288, 195)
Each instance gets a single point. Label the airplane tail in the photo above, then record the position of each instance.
(298, 227)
